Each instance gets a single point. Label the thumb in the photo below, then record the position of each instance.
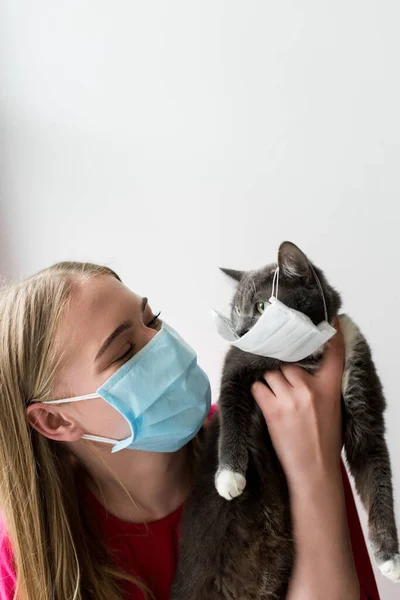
(333, 361)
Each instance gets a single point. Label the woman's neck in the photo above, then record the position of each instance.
(137, 486)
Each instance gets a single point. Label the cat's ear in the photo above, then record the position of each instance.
(292, 261)
(233, 274)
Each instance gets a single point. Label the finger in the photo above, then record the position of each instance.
(295, 375)
(278, 383)
(333, 361)
(263, 396)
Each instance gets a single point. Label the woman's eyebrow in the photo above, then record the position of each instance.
(120, 329)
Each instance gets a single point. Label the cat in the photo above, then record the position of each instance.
(243, 548)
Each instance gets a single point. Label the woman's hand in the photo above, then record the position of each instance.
(303, 414)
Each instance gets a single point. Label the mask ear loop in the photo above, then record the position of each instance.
(275, 286)
(74, 399)
(321, 291)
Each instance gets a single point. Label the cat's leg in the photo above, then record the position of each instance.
(366, 450)
(235, 408)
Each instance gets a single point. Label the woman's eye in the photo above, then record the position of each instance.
(129, 351)
(260, 306)
(237, 311)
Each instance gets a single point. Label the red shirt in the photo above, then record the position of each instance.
(148, 551)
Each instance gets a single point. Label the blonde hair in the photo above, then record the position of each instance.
(57, 550)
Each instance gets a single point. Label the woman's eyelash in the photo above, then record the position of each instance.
(153, 320)
(125, 354)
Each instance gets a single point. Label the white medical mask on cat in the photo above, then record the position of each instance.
(281, 332)
(162, 393)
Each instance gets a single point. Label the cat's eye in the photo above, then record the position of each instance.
(260, 306)
(237, 311)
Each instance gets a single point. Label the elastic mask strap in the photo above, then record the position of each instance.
(86, 436)
(275, 288)
(275, 285)
(98, 438)
(321, 291)
(74, 399)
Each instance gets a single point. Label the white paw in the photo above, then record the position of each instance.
(391, 568)
(229, 484)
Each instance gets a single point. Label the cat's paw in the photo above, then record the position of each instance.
(229, 484)
(391, 568)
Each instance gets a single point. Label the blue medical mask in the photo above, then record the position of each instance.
(162, 393)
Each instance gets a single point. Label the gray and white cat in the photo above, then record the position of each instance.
(242, 548)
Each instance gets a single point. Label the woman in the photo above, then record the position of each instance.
(80, 521)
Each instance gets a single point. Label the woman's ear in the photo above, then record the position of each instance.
(293, 262)
(53, 423)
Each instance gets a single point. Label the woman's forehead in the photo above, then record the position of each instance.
(95, 309)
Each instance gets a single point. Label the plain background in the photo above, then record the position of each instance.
(167, 138)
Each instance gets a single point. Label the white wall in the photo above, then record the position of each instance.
(166, 138)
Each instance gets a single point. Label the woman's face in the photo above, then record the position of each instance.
(105, 324)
